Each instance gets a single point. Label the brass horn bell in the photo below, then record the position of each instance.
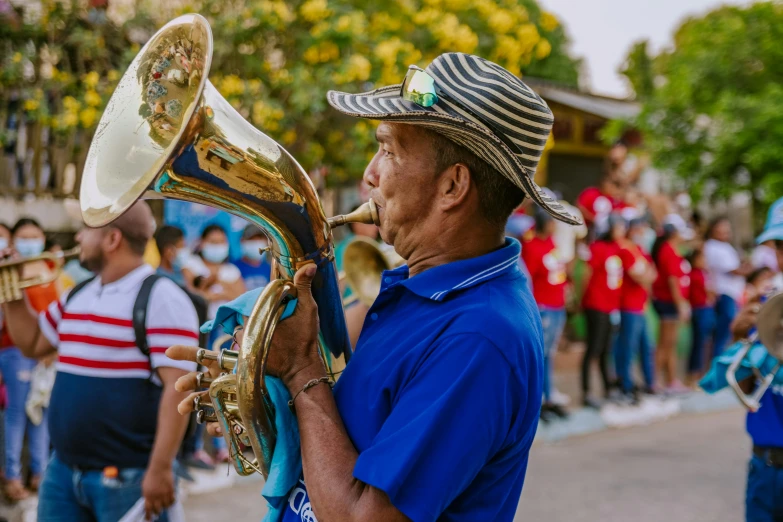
(167, 133)
(769, 332)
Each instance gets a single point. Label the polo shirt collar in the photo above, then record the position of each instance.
(438, 282)
(129, 281)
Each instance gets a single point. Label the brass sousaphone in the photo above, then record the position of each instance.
(168, 133)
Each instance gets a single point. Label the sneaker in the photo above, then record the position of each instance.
(558, 410)
(222, 456)
(591, 402)
(677, 388)
(559, 398)
(200, 460)
(546, 415)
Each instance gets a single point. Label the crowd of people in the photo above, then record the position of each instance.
(637, 253)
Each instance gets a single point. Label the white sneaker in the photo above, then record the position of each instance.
(559, 398)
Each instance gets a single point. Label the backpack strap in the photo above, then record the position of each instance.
(78, 288)
(140, 314)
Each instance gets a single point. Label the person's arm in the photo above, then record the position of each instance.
(23, 327)
(157, 488)
(171, 320)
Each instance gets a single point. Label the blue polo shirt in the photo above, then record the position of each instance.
(442, 397)
(765, 426)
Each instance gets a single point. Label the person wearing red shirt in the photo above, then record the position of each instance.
(601, 301)
(638, 274)
(702, 299)
(548, 275)
(670, 295)
(595, 202)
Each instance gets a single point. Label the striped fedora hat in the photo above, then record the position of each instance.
(480, 106)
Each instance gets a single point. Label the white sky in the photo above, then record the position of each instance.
(602, 31)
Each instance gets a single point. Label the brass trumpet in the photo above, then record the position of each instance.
(363, 263)
(167, 133)
(11, 282)
(769, 332)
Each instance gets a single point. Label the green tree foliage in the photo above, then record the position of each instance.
(713, 102)
(274, 60)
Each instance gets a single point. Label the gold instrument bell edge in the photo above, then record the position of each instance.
(119, 172)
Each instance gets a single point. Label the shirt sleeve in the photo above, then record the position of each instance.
(721, 257)
(49, 320)
(447, 422)
(171, 319)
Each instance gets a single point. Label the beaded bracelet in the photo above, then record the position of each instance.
(307, 386)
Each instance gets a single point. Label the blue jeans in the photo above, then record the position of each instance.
(16, 370)
(633, 338)
(725, 310)
(70, 495)
(702, 330)
(552, 321)
(764, 496)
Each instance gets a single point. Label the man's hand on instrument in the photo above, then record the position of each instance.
(294, 349)
(746, 318)
(189, 382)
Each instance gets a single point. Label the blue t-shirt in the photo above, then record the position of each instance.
(174, 275)
(254, 276)
(765, 426)
(442, 397)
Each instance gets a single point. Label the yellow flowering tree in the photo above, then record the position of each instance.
(274, 61)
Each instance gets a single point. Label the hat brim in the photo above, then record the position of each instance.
(771, 233)
(387, 105)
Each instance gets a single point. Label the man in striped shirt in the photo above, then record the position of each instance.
(112, 415)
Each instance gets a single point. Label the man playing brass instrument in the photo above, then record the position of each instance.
(435, 414)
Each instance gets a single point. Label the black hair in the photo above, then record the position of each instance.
(167, 236)
(696, 252)
(714, 222)
(23, 222)
(542, 218)
(757, 273)
(668, 232)
(212, 228)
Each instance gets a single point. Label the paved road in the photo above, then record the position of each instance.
(688, 469)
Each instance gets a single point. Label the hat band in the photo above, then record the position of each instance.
(420, 87)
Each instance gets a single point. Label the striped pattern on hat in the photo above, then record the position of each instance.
(487, 91)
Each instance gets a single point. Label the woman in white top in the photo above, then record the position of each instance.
(210, 273)
(728, 274)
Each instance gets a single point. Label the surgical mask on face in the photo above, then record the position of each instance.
(3, 243)
(181, 259)
(214, 253)
(252, 250)
(29, 247)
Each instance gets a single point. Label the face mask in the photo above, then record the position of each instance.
(3, 243)
(214, 253)
(29, 247)
(252, 250)
(182, 258)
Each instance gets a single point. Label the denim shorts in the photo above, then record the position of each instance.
(666, 309)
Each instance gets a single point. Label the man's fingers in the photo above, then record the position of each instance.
(214, 429)
(186, 406)
(304, 278)
(188, 382)
(147, 509)
(183, 353)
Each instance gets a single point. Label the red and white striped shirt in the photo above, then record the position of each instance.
(94, 333)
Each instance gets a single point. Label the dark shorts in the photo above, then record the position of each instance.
(666, 309)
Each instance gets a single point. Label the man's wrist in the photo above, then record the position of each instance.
(296, 380)
(160, 466)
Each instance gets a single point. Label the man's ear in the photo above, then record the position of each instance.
(454, 186)
(112, 239)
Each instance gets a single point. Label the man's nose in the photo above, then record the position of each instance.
(371, 176)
